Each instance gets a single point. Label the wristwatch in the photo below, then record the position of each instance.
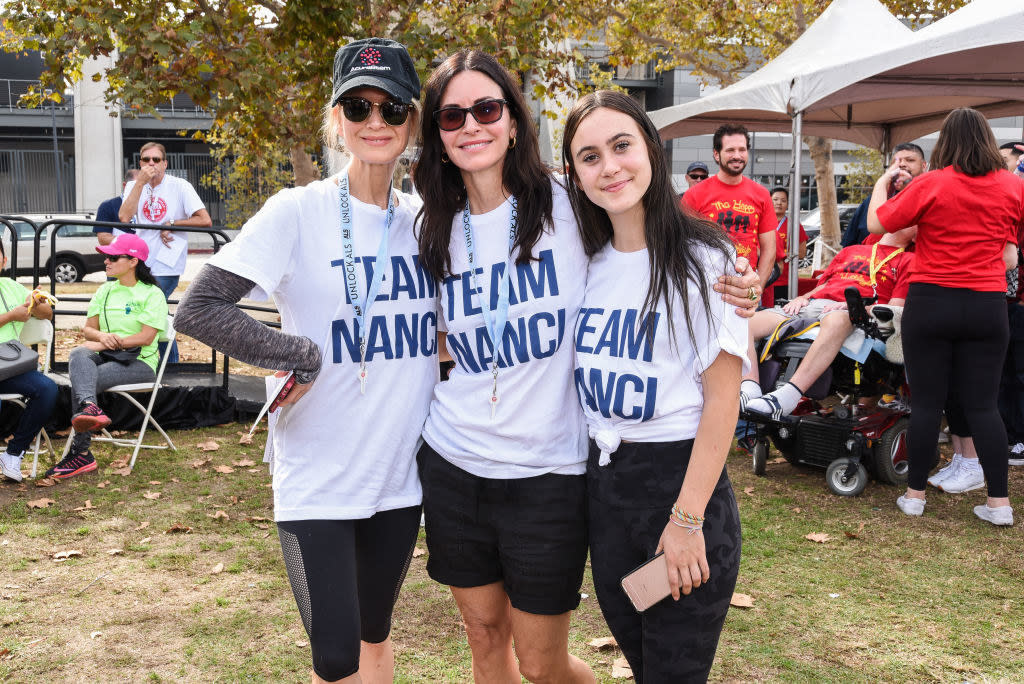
(171, 222)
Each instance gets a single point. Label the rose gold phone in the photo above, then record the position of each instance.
(647, 584)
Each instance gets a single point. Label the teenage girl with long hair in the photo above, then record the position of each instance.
(658, 367)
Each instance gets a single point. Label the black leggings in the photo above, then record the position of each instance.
(628, 505)
(954, 342)
(346, 575)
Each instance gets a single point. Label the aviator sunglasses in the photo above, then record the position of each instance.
(454, 118)
(357, 110)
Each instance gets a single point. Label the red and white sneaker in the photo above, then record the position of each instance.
(90, 418)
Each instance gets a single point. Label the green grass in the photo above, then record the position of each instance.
(940, 598)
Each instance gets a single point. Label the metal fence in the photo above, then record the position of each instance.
(28, 182)
(11, 90)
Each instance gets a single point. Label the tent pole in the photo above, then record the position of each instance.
(795, 188)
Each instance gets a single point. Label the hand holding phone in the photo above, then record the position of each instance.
(647, 584)
(283, 393)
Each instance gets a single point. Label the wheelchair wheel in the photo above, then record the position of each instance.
(890, 454)
(760, 458)
(842, 485)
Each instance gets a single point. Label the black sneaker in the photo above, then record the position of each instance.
(73, 464)
(89, 418)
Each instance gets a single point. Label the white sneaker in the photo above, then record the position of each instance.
(947, 472)
(910, 506)
(968, 476)
(1017, 454)
(1001, 515)
(10, 466)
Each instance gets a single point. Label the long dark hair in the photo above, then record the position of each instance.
(440, 184)
(673, 236)
(966, 143)
(143, 274)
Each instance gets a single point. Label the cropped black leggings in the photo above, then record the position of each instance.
(954, 342)
(346, 575)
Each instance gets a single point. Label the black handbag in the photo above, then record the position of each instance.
(122, 356)
(15, 357)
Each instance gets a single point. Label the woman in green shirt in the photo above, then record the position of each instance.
(16, 307)
(124, 319)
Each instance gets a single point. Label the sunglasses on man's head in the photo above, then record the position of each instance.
(155, 160)
(358, 109)
(697, 176)
(454, 118)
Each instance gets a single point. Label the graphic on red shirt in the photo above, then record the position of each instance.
(853, 266)
(744, 211)
(780, 247)
(154, 209)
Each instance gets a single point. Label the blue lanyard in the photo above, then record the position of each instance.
(494, 321)
(361, 306)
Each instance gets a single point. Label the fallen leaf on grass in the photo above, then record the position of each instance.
(155, 482)
(120, 463)
(200, 463)
(209, 445)
(302, 644)
(603, 642)
(123, 472)
(219, 515)
(45, 482)
(115, 552)
(217, 569)
(22, 487)
(749, 491)
(103, 485)
(417, 552)
(64, 555)
(152, 495)
(246, 438)
(855, 535)
(178, 528)
(40, 503)
(245, 463)
(87, 507)
(779, 459)
(224, 469)
(741, 600)
(145, 540)
(819, 537)
(95, 634)
(795, 509)
(142, 525)
(257, 518)
(621, 669)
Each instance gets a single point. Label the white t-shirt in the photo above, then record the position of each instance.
(173, 199)
(649, 393)
(538, 427)
(339, 454)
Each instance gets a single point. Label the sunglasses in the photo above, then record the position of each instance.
(117, 257)
(454, 118)
(697, 176)
(155, 160)
(358, 109)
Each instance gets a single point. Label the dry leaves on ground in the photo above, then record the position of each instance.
(152, 495)
(115, 552)
(417, 552)
(178, 528)
(217, 569)
(62, 556)
(245, 463)
(45, 482)
(245, 438)
(739, 600)
(209, 445)
(224, 469)
(40, 503)
(621, 669)
(200, 463)
(142, 525)
(87, 507)
(219, 515)
(94, 635)
(778, 459)
(855, 535)
(603, 643)
(749, 491)
(819, 537)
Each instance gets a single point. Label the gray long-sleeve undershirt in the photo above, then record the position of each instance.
(208, 313)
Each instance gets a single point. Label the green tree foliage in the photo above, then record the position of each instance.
(861, 173)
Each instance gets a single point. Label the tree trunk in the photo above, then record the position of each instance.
(825, 178)
(304, 170)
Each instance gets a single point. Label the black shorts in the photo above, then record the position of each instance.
(529, 533)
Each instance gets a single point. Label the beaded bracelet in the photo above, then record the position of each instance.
(688, 518)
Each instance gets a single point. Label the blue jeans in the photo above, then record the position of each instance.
(167, 285)
(41, 394)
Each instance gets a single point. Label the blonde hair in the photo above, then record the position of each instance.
(332, 140)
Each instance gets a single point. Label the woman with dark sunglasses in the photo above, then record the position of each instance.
(505, 448)
(359, 330)
(124, 319)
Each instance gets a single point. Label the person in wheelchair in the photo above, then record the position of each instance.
(879, 270)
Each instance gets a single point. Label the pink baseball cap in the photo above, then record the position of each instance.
(129, 244)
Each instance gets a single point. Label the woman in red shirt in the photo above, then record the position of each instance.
(968, 210)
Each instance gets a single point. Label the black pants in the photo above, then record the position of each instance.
(629, 502)
(345, 575)
(1011, 389)
(954, 342)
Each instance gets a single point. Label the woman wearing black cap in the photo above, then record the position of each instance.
(358, 317)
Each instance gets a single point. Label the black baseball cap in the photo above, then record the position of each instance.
(375, 63)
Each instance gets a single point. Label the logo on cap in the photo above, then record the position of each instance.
(370, 56)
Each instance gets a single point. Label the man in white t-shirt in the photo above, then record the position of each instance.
(155, 198)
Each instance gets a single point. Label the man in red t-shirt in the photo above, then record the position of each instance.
(736, 203)
(780, 203)
(881, 269)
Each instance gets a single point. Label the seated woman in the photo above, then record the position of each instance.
(124, 318)
(39, 391)
(880, 269)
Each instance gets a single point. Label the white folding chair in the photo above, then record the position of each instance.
(126, 391)
(35, 331)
